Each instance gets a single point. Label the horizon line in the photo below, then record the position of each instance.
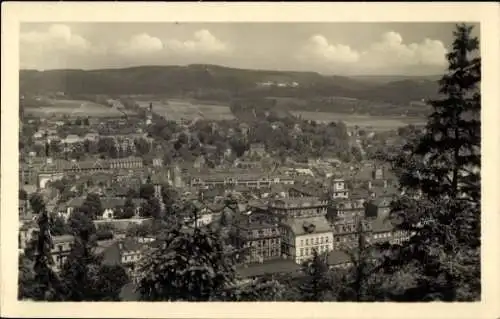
(227, 67)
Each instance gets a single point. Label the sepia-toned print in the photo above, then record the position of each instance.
(250, 161)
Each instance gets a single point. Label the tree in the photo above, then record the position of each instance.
(60, 227)
(147, 191)
(111, 279)
(84, 275)
(128, 210)
(139, 230)
(440, 176)
(189, 266)
(80, 223)
(258, 290)
(357, 277)
(37, 203)
(315, 284)
(92, 206)
(151, 208)
(169, 198)
(46, 284)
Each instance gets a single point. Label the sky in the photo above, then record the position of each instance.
(327, 48)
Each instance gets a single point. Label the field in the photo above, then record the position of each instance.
(73, 108)
(375, 123)
(181, 109)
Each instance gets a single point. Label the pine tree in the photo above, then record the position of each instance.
(46, 285)
(440, 176)
(315, 284)
(357, 277)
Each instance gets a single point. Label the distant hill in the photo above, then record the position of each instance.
(383, 79)
(222, 83)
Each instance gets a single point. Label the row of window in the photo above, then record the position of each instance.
(314, 241)
(265, 253)
(130, 257)
(307, 251)
(260, 243)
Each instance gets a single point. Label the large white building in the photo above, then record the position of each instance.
(301, 236)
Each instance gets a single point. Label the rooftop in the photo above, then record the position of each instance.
(312, 225)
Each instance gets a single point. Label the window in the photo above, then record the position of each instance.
(301, 252)
(301, 242)
(307, 241)
(326, 239)
(316, 240)
(307, 251)
(321, 240)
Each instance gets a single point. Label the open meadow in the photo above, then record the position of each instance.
(182, 109)
(73, 108)
(375, 123)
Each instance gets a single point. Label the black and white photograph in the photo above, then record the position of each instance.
(249, 161)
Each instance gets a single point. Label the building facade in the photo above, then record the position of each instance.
(260, 237)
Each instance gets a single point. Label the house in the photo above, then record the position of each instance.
(305, 190)
(383, 230)
(199, 162)
(232, 177)
(238, 163)
(338, 259)
(157, 162)
(347, 231)
(347, 209)
(339, 189)
(71, 139)
(260, 234)
(24, 208)
(126, 252)
(256, 149)
(244, 128)
(92, 137)
(302, 236)
(61, 248)
(38, 135)
(300, 207)
(206, 214)
(378, 207)
(27, 231)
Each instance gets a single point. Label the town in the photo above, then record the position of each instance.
(284, 210)
(250, 191)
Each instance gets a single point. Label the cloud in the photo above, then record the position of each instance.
(388, 55)
(58, 43)
(204, 42)
(319, 48)
(140, 44)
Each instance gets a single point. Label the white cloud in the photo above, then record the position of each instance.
(57, 44)
(318, 48)
(204, 42)
(140, 44)
(392, 51)
(389, 55)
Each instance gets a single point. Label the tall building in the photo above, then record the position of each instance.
(260, 234)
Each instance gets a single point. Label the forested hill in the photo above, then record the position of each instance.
(223, 83)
